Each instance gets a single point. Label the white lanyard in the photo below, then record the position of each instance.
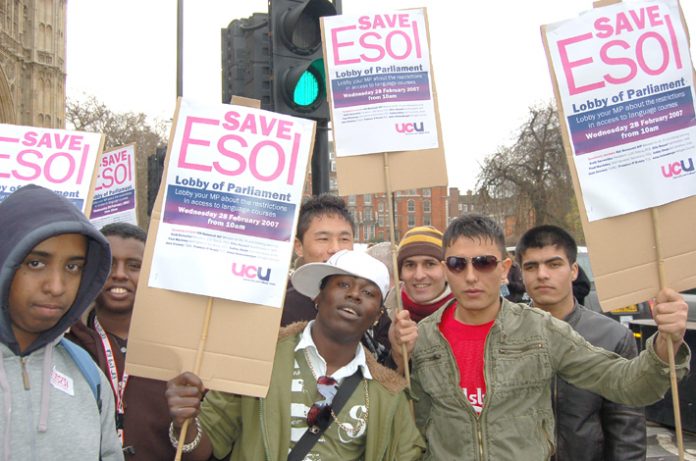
(119, 387)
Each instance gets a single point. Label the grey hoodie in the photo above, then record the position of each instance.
(47, 409)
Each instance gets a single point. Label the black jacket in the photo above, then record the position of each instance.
(589, 427)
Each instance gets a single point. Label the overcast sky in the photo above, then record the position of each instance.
(488, 60)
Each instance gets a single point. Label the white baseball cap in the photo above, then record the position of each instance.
(307, 278)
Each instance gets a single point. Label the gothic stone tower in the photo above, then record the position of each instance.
(32, 62)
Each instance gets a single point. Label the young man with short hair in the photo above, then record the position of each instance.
(424, 287)
(482, 367)
(54, 402)
(588, 427)
(324, 227)
(313, 363)
(142, 414)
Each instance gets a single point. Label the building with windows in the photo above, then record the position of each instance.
(415, 207)
(32, 62)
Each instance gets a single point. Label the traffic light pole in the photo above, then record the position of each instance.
(180, 48)
(320, 159)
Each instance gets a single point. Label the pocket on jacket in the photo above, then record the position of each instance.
(431, 370)
(523, 437)
(522, 365)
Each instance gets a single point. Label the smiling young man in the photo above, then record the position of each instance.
(312, 364)
(482, 367)
(424, 287)
(324, 227)
(142, 414)
(53, 263)
(588, 427)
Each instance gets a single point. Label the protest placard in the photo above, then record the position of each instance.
(228, 172)
(382, 98)
(114, 191)
(60, 160)
(626, 86)
(630, 61)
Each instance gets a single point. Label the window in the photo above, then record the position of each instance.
(427, 192)
(426, 206)
(380, 206)
(367, 198)
(351, 200)
(464, 208)
(411, 220)
(369, 233)
(427, 221)
(411, 206)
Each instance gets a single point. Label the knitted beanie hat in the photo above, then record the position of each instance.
(420, 241)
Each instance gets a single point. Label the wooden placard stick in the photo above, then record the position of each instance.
(670, 346)
(395, 272)
(196, 370)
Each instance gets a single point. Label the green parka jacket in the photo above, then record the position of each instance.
(259, 429)
(524, 349)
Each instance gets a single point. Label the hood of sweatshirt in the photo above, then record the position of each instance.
(29, 216)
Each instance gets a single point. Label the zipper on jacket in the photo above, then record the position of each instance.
(528, 347)
(25, 375)
(480, 440)
(263, 432)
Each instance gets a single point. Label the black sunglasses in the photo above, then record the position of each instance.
(483, 264)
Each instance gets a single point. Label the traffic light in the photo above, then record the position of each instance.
(246, 60)
(299, 79)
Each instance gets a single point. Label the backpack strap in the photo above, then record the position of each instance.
(87, 367)
(310, 437)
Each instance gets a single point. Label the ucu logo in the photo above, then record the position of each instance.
(251, 272)
(677, 168)
(409, 127)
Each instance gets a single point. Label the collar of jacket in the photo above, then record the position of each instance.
(388, 378)
(575, 314)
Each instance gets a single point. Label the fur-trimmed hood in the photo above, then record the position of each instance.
(391, 380)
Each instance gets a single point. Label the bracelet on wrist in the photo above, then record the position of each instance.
(193, 444)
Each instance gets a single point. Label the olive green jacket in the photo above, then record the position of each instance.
(524, 349)
(259, 429)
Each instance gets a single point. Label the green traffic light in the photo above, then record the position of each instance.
(306, 90)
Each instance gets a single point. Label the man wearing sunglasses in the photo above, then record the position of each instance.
(588, 427)
(313, 363)
(482, 367)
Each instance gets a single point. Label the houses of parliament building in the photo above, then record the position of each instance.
(32, 62)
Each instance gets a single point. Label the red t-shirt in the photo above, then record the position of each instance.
(467, 343)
